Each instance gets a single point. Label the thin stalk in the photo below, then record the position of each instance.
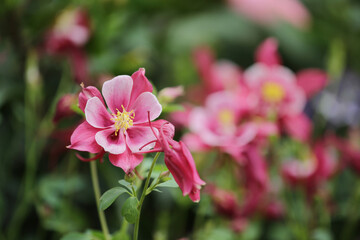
(136, 228)
(95, 182)
(353, 205)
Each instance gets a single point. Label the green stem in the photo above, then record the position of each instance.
(353, 205)
(136, 228)
(95, 182)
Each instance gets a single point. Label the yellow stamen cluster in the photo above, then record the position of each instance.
(123, 120)
(273, 92)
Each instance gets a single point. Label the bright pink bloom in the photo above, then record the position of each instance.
(272, 11)
(123, 131)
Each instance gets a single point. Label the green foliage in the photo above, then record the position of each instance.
(130, 209)
(110, 196)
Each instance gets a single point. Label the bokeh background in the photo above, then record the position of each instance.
(47, 48)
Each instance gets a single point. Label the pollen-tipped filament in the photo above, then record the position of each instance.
(123, 120)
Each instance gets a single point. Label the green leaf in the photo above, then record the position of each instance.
(110, 196)
(130, 209)
(75, 236)
(171, 183)
(126, 184)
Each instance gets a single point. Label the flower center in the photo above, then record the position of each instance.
(123, 120)
(226, 117)
(273, 92)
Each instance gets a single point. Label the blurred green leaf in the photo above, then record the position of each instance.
(75, 236)
(110, 196)
(321, 234)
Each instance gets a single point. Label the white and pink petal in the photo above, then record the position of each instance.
(114, 144)
(96, 114)
(117, 92)
(146, 102)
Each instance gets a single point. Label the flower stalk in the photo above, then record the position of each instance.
(95, 182)
(136, 228)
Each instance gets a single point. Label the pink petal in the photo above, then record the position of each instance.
(111, 143)
(117, 92)
(96, 114)
(86, 94)
(298, 126)
(144, 103)
(267, 53)
(312, 81)
(127, 160)
(138, 136)
(83, 139)
(141, 85)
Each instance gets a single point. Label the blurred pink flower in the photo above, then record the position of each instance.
(169, 94)
(268, 12)
(67, 36)
(63, 107)
(276, 88)
(225, 201)
(217, 123)
(316, 167)
(349, 149)
(71, 30)
(216, 76)
(124, 131)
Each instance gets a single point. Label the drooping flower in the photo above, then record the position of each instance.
(122, 130)
(178, 160)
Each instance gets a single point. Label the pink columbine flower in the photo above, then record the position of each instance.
(122, 130)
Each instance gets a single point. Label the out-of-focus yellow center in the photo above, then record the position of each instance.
(65, 20)
(226, 117)
(123, 120)
(273, 92)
